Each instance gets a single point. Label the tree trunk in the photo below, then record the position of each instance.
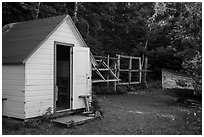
(38, 10)
(75, 12)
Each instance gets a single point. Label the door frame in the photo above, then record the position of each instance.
(55, 75)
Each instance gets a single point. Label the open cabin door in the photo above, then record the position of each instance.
(81, 76)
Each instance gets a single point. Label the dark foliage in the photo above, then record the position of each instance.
(172, 32)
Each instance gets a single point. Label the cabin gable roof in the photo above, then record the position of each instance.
(21, 40)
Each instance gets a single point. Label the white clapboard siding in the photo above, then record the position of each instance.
(39, 87)
(13, 87)
(38, 93)
(42, 61)
(13, 93)
(39, 68)
(13, 69)
(39, 98)
(38, 103)
(8, 113)
(38, 72)
(37, 111)
(15, 106)
(46, 50)
(13, 81)
(12, 77)
(39, 81)
(39, 77)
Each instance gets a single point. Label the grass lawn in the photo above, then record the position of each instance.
(146, 112)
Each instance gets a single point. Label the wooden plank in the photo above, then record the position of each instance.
(102, 57)
(15, 107)
(14, 98)
(101, 69)
(39, 72)
(64, 39)
(13, 69)
(127, 83)
(13, 114)
(39, 87)
(48, 102)
(12, 87)
(130, 67)
(39, 82)
(40, 66)
(78, 119)
(41, 61)
(39, 77)
(13, 82)
(9, 76)
(47, 56)
(110, 80)
(123, 56)
(46, 50)
(13, 93)
(38, 98)
(64, 32)
(38, 93)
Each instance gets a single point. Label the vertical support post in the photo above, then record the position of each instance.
(130, 70)
(145, 71)
(108, 64)
(118, 67)
(140, 70)
(115, 71)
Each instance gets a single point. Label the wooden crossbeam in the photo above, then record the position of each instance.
(110, 80)
(98, 72)
(104, 64)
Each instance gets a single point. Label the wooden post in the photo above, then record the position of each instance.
(115, 71)
(140, 70)
(130, 68)
(145, 72)
(118, 67)
(108, 64)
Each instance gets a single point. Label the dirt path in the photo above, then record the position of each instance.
(148, 113)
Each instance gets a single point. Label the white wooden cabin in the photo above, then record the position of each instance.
(45, 64)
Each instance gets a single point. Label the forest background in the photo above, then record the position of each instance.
(169, 34)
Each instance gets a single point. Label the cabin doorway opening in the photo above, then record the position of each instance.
(63, 77)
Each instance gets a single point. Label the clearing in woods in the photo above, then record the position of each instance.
(147, 112)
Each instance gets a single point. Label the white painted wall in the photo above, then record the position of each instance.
(39, 72)
(13, 88)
